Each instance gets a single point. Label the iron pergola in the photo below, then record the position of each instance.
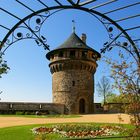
(126, 38)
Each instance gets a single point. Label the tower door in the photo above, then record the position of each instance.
(82, 106)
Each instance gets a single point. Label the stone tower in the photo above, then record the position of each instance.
(73, 65)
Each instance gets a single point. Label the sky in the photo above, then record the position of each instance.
(29, 78)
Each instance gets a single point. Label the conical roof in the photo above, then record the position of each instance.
(73, 42)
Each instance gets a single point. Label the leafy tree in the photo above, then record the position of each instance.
(104, 88)
(126, 74)
(3, 68)
(112, 98)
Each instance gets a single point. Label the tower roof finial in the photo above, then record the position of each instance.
(73, 26)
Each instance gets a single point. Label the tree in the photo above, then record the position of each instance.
(3, 64)
(112, 98)
(104, 88)
(126, 74)
(3, 68)
(127, 81)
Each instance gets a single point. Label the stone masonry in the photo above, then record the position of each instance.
(73, 65)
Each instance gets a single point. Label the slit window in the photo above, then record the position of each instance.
(72, 53)
(73, 83)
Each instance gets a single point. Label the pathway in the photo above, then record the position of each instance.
(101, 118)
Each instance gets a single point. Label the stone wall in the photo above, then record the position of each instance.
(73, 81)
(20, 106)
(98, 108)
(72, 85)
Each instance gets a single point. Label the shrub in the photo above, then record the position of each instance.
(19, 113)
(29, 113)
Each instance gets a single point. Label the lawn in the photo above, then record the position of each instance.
(43, 116)
(25, 132)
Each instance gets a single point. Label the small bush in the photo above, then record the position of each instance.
(53, 113)
(19, 113)
(29, 113)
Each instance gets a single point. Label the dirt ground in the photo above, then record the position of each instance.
(102, 118)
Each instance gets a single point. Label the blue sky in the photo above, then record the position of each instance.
(29, 79)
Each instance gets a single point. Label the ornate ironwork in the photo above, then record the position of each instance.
(29, 27)
(117, 38)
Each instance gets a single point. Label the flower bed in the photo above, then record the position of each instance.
(80, 130)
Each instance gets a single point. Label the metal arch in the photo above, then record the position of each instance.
(78, 8)
(36, 38)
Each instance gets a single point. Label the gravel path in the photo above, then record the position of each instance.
(102, 118)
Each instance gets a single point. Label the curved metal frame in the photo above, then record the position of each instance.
(107, 45)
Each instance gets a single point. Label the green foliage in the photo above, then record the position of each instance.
(78, 127)
(29, 113)
(126, 75)
(3, 66)
(111, 98)
(19, 113)
(114, 98)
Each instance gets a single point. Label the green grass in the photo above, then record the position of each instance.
(43, 116)
(22, 133)
(25, 133)
(16, 133)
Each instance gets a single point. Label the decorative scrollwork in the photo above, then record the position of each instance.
(35, 22)
(22, 32)
(107, 46)
(120, 41)
(116, 38)
(30, 29)
(8, 42)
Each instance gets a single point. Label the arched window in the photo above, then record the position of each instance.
(81, 106)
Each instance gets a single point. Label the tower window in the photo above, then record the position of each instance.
(52, 56)
(93, 56)
(60, 67)
(73, 83)
(84, 54)
(61, 54)
(72, 53)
